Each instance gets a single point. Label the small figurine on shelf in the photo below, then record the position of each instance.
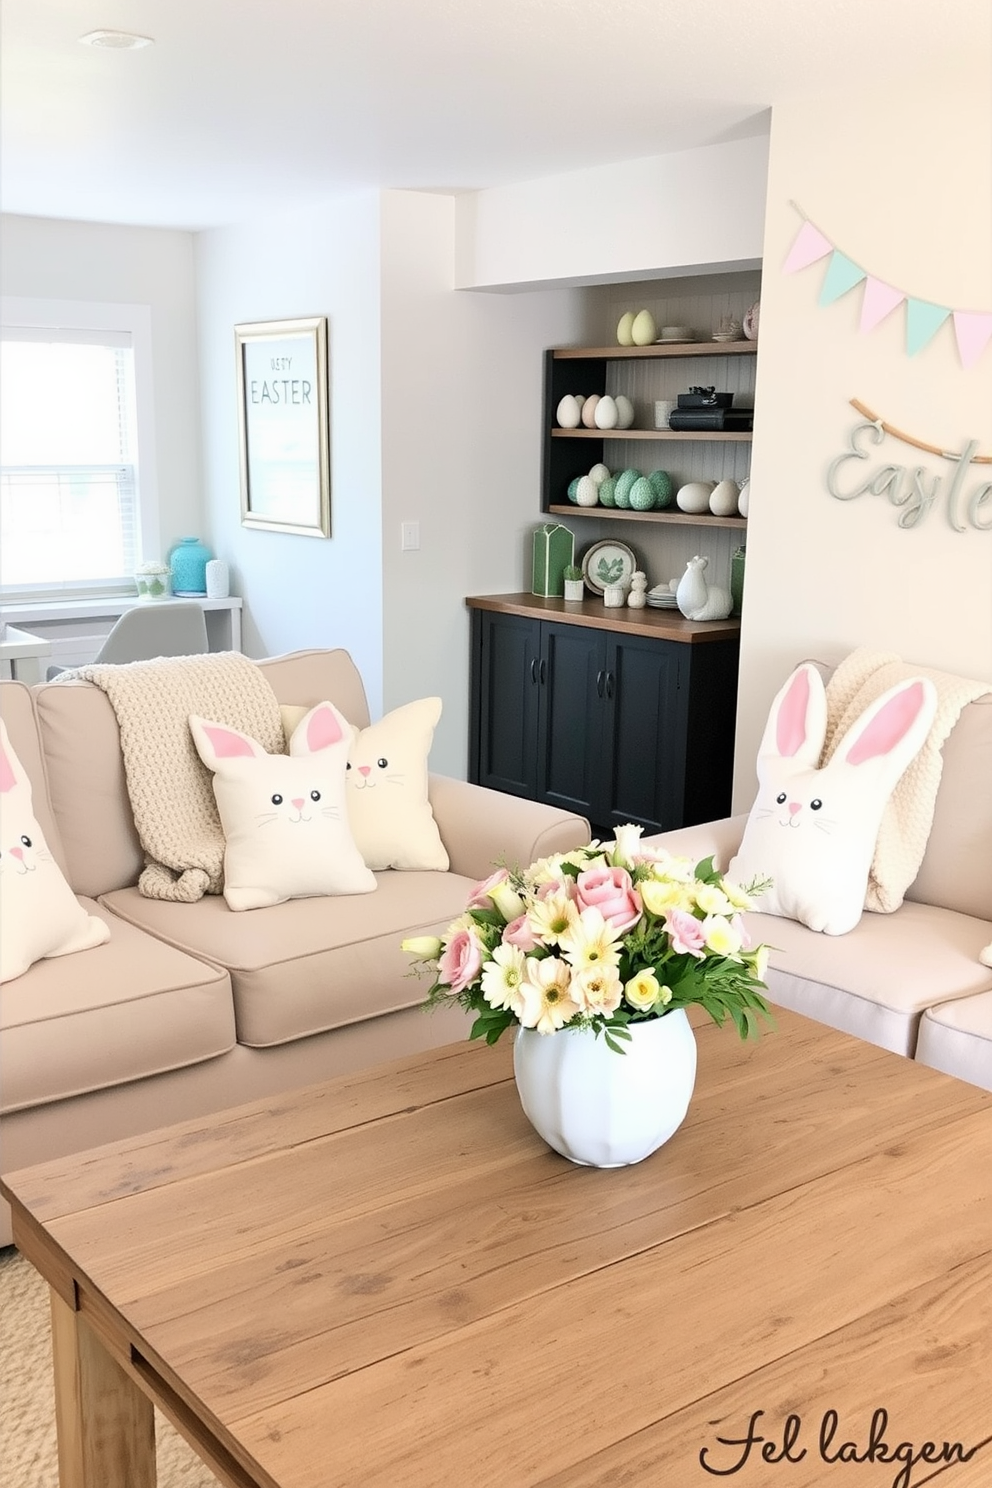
(637, 598)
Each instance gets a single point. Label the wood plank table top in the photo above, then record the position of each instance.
(390, 1281)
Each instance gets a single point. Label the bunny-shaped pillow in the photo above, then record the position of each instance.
(284, 816)
(39, 914)
(813, 831)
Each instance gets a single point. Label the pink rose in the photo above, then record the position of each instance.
(479, 898)
(686, 933)
(461, 960)
(518, 933)
(612, 892)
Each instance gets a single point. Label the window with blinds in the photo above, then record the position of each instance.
(69, 495)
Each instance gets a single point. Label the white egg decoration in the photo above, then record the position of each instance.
(695, 496)
(723, 498)
(568, 413)
(744, 499)
(589, 411)
(586, 492)
(624, 329)
(606, 414)
(644, 331)
(625, 412)
(598, 473)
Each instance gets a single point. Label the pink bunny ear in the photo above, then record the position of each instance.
(903, 714)
(797, 719)
(228, 743)
(216, 742)
(319, 729)
(790, 726)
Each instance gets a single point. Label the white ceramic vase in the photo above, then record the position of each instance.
(599, 1108)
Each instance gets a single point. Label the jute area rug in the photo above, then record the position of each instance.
(28, 1451)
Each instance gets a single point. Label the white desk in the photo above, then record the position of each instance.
(23, 654)
(111, 607)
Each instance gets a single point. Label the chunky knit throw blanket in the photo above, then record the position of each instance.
(171, 790)
(902, 838)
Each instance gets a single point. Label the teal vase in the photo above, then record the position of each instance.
(188, 561)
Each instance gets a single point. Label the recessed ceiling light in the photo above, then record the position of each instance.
(118, 41)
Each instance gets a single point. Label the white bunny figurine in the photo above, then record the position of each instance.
(813, 831)
(699, 600)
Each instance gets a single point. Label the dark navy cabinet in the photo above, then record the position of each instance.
(620, 720)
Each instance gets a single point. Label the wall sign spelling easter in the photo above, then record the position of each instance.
(912, 488)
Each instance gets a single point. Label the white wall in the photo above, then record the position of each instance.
(899, 181)
(461, 452)
(668, 214)
(324, 260)
(46, 259)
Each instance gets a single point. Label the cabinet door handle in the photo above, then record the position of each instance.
(543, 669)
(599, 682)
(533, 669)
(609, 684)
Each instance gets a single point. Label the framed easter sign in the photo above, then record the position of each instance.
(284, 427)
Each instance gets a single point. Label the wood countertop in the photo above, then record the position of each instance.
(661, 625)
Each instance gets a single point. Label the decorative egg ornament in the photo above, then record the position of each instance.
(625, 412)
(625, 328)
(624, 484)
(568, 413)
(664, 491)
(589, 411)
(641, 495)
(606, 414)
(586, 492)
(723, 498)
(694, 497)
(644, 332)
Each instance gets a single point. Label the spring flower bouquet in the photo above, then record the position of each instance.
(604, 936)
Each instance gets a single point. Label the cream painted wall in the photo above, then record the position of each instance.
(42, 258)
(301, 591)
(461, 452)
(899, 180)
(668, 214)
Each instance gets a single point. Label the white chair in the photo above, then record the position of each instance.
(165, 628)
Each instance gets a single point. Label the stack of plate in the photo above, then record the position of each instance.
(661, 598)
(677, 333)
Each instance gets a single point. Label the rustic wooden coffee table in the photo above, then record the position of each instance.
(389, 1281)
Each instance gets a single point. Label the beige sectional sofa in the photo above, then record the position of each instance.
(910, 981)
(189, 1008)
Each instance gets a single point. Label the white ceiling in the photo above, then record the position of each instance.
(243, 106)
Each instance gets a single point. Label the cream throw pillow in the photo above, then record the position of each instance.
(39, 914)
(387, 782)
(284, 816)
(812, 831)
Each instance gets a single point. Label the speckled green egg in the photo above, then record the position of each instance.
(664, 490)
(625, 481)
(608, 491)
(573, 488)
(641, 495)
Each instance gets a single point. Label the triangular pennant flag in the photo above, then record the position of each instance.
(973, 330)
(879, 301)
(923, 321)
(842, 274)
(810, 245)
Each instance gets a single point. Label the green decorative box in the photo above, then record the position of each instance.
(554, 550)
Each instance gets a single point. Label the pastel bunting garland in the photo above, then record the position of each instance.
(972, 328)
